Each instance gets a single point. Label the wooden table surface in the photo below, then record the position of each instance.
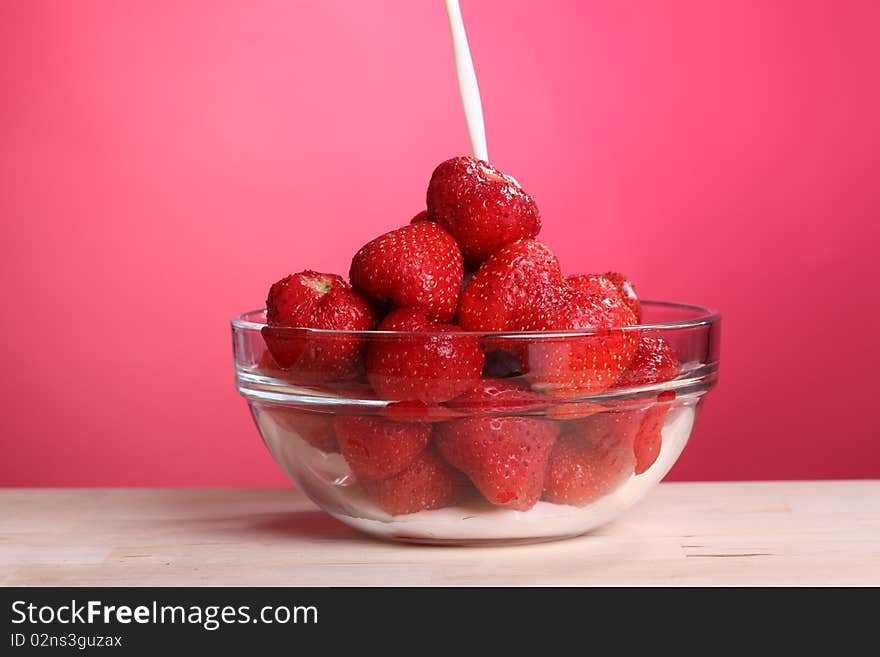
(759, 533)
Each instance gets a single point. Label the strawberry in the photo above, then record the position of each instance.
(376, 448)
(654, 362)
(638, 429)
(495, 396)
(421, 216)
(268, 367)
(418, 411)
(627, 292)
(649, 437)
(315, 428)
(594, 284)
(581, 469)
(487, 396)
(504, 456)
(417, 266)
(311, 300)
(433, 363)
(505, 286)
(609, 430)
(609, 284)
(577, 365)
(573, 409)
(482, 208)
(427, 483)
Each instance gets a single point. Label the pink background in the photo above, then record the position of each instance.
(162, 162)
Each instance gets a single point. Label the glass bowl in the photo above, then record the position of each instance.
(574, 447)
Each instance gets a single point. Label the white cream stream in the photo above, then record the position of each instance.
(467, 81)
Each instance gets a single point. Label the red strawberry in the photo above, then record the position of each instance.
(494, 396)
(427, 483)
(609, 284)
(315, 428)
(417, 411)
(649, 437)
(417, 266)
(487, 396)
(608, 430)
(637, 431)
(572, 409)
(482, 208)
(376, 448)
(581, 469)
(593, 284)
(503, 396)
(433, 363)
(505, 286)
(654, 362)
(267, 365)
(421, 216)
(504, 456)
(310, 300)
(627, 292)
(577, 365)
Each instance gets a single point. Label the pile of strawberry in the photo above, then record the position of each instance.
(470, 409)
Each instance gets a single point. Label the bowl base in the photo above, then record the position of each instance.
(477, 542)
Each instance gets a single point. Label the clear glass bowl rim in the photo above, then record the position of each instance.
(703, 317)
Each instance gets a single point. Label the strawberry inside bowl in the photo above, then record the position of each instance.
(460, 387)
(428, 432)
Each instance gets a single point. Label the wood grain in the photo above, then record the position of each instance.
(757, 533)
